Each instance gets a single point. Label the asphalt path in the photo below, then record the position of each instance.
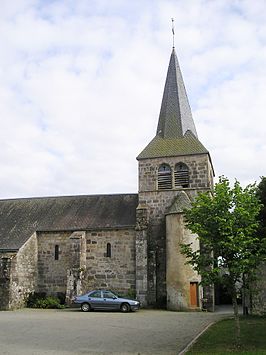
(70, 331)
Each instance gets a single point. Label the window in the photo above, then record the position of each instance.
(95, 294)
(108, 250)
(164, 177)
(108, 294)
(56, 252)
(181, 175)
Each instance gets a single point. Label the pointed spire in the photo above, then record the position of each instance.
(176, 133)
(175, 116)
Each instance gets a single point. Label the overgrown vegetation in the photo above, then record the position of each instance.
(220, 338)
(40, 300)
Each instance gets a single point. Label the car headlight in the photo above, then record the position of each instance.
(136, 303)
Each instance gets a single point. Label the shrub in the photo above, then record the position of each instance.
(40, 300)
(34, 297)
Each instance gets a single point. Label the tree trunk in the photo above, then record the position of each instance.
(236, 316)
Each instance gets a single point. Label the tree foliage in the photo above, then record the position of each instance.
(225, 222)
(229, 223)
(261, 193)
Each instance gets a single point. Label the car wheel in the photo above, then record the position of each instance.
(85, 307)
(124, 307)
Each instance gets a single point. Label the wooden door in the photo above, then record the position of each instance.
(194, 299)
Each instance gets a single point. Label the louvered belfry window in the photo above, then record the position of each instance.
(164, 177)
(181, 175)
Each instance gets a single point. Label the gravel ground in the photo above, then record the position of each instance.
(70, 331)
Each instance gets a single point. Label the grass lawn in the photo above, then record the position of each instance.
(220, 338)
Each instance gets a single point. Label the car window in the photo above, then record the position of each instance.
(108, 294)
(96, 294)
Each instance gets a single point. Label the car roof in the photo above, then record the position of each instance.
(99, 289)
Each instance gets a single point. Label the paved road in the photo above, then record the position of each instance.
(70, 331)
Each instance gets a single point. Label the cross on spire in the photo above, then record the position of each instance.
(173, 31)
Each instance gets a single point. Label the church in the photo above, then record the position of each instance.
(128, 243)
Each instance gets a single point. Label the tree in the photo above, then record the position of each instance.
(225, 221)
(261, 193)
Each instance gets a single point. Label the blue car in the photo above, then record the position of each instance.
(105, 300)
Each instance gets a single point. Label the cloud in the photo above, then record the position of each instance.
(82, 82)
(232, 118)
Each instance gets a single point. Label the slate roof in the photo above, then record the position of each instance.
(175, 115)
(166, 147)
(181, 202)
(20, 218)
(176, 133)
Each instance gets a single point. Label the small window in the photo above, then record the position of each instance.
(108, 250)
(164, 177)
(181, 175)
(56, 252)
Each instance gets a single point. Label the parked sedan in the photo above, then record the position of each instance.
(105, 300)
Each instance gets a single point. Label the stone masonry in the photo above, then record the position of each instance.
(117, 272)
(142, 254)
(83, 263)
(18, 273)
(157, 202)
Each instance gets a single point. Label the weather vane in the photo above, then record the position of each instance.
(173, 31)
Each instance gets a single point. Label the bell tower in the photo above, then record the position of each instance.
(174, 162)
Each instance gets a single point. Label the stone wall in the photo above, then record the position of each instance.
(77, 265)
(83, 263)
(18, 273)
(5, 279)
(52, 273)
(117, 272)
(200, 171)
(179, 274)
(157, 202)
(258, 292)
(61, 263)
(24, 273)
(141, 255)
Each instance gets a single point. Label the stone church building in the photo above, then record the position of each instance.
(126, 242)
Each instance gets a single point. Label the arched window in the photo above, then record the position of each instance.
(108, 250)
(164, 177)
(56, 252)
(181, 175)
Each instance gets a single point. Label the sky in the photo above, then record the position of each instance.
(81, 84)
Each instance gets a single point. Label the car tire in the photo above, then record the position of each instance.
(125, 307)
(85, 307)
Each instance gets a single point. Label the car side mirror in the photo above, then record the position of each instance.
(114, 298)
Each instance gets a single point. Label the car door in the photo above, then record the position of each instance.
(95, 299)
(110, 300)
